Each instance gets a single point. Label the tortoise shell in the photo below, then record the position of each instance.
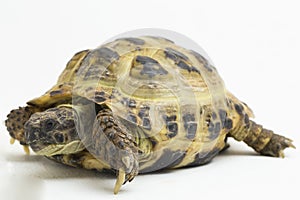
(171, 97)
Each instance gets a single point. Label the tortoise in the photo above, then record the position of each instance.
(138, 105)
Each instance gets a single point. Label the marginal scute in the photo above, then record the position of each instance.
(191, 130)
(204, 157)
(172, 128)
(168, 159)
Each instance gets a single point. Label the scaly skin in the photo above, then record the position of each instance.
(15, 122)
(112, 138)
(262, 140)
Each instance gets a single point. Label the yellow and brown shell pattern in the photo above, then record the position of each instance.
(170, 98)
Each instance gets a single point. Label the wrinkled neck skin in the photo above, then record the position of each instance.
(84, 118)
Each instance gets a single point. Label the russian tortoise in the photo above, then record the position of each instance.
(137, 105)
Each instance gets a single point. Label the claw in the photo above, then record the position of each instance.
(287, 143)
(130, 178)
(26, 149)
(120, 181)
(12, 140)
(281, 154)
(290, 144)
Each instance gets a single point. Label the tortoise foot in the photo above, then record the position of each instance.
(276, 146)
(114, 145)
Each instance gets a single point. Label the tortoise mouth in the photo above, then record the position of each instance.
(56, 149)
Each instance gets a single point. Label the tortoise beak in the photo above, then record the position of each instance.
(56, 149)
(33, 135)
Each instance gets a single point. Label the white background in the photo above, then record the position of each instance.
(255, 46)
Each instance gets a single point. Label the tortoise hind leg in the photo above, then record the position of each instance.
(262, 140)
(113, 144)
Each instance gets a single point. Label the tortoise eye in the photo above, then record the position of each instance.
(49, 124)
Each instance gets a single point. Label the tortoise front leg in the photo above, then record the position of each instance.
(113, 144)
(15, 124)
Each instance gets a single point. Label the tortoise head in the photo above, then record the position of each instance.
(53, 132)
